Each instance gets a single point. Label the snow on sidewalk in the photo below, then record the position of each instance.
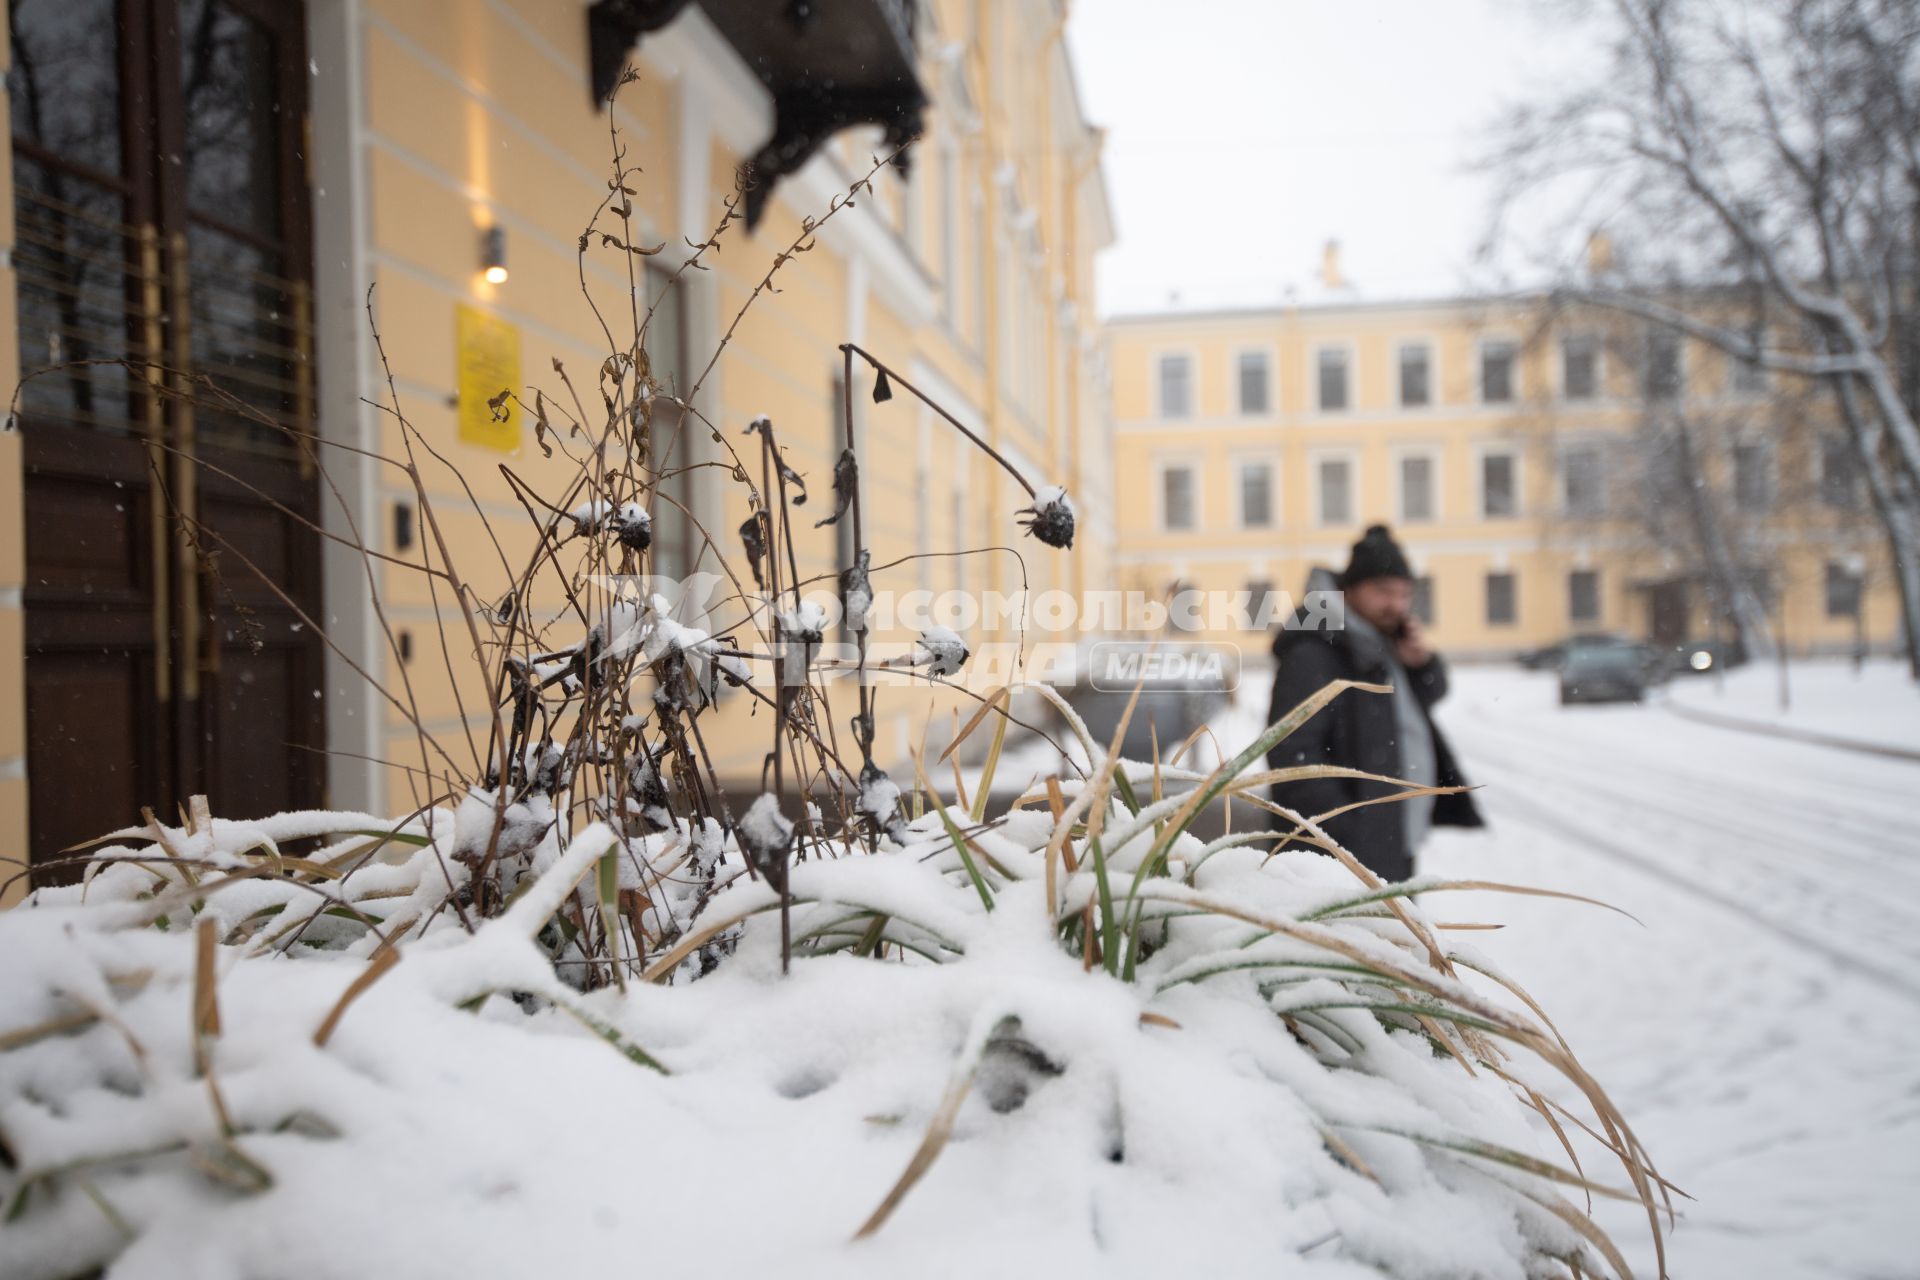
(1877, 704)
(1761, 1026)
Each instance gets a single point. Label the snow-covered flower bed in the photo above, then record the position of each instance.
(1072, 1040)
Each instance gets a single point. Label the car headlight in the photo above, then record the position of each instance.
(1700, 660)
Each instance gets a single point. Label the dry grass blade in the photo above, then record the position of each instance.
(20, 1037)
(206, 1004)
(383, 959)
(1590, 1231)
(1345, 1154)
(993, 699)
(938, 1130)
(992, 766)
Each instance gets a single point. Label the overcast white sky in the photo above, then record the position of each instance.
(1244, 134)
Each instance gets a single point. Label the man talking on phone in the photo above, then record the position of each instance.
(1382, 642)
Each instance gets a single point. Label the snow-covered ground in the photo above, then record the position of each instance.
(1761, 1025)
(1876, 704)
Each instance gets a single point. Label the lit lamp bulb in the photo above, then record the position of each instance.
(493, 255)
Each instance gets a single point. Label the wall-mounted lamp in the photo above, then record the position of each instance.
(493, 254)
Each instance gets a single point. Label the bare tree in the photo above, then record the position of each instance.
(1770, 149)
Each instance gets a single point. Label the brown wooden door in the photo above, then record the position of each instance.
(162, 252)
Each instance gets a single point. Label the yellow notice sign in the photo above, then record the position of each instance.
(487, 350)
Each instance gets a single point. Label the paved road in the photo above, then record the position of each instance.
(1761, 1027)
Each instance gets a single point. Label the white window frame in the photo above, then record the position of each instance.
(1192, 358)
(1240, 465)
(1599, 367)
(1352, 354)
(1480, 346)
(1314, 460)
(1433, 456)
(1272, 357)
(1432, 348)
(1517, 456)
(1194, 466)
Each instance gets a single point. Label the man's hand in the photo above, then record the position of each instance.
(1411, 645)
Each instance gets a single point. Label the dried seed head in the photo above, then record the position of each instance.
(945, 653)
(766, 836)
(803, 625)
(647, 790)
(1050, 518)
(856, 592)
(633, 526)
(879, 803)
(588, 517)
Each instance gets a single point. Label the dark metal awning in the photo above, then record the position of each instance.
(829, 64)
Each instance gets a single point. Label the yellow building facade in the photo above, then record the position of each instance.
(425, 142)
(1499, 443)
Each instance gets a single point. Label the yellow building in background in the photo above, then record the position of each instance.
(1500, 443)
(216, 185)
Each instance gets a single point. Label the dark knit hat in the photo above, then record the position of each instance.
(1376, 555)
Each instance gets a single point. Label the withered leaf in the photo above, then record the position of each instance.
(753, 537)
(846, 479)
(540, 426)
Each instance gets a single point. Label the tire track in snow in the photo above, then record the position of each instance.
(1560, 825)
(1763, 822)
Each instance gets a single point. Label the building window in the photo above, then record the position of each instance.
(1332, 366)
(1416, 376)
(1423, 599)
(1664, 373)
(1176, 387)
(1500, 600)
(1583, 595)
(1497, 372)
(1336, 491)
(1579, 368)
(1752, 478)
(1256, 495)
(1253, 381)
(1582, 484)
(1416, 488)
(1843, 591)
(1257, 592)
(1177, 499)
(1499, 486)
(1746, 377)
(1839, 474)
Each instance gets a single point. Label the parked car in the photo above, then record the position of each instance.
(1606, 673)
(1703, 657)
(1554, 656)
